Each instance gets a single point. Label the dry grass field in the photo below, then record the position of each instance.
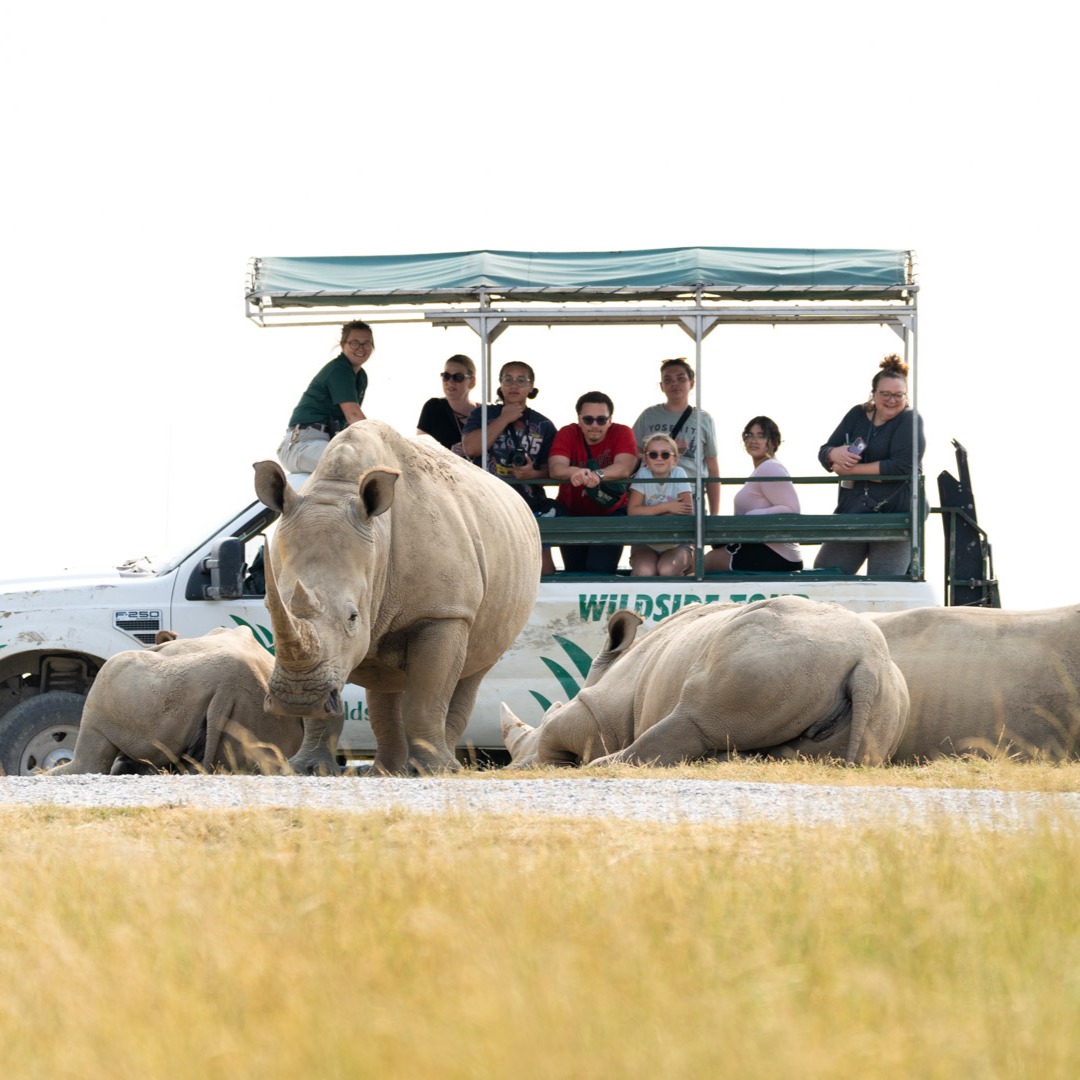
(184, 943)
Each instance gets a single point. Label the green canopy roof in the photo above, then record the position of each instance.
(658, 273)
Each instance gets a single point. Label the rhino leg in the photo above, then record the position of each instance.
(94, 753)
(391, 745)
(676, 738)
(316, 754)
(461, 707)
(436, 654)
(217, 716)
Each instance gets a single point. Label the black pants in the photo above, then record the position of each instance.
(594, 558)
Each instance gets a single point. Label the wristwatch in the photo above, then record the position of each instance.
(599, 472)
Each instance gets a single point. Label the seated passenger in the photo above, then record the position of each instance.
(673, 496)
(518, 440)
(444, 418)
(587, 453)
(676, 417)
(761, 437)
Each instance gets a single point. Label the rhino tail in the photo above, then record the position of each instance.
(864, 691)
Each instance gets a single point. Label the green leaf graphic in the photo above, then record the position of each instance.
(566, 680)
(262, 635)
(580, 658)
(544, 703)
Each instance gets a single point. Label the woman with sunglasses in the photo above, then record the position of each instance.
(761, 439)
(444, 418)
(673, 495)
(871, 452)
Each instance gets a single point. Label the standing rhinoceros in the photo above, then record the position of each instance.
(781, 675)
(987, 680)
(196, 698)
(403, 568)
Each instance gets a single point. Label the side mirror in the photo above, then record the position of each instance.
(226, 567)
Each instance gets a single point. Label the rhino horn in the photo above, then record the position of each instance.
(304, 604)
(286, 628)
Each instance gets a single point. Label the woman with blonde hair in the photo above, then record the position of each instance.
(871, 451)
(444, 418)
(673, 495)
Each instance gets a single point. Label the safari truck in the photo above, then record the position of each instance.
(55, 634)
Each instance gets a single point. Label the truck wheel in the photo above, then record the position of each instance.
(40, 732)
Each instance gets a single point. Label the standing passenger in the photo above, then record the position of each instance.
(330, 403)
(677, 418)
(879, 474)
(587, 453)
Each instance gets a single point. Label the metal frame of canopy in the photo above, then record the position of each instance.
(697, 311)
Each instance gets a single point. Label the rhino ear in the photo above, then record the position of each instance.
(622, 628)
(376, 490)
(272, 488)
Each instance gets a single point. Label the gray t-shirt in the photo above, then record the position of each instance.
(656, 420)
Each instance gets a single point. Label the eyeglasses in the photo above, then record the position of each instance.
(748, 435)
(453, 376)
(360, 345)
(512, 380)
(886, 396)
(599, 421)
(662, 454)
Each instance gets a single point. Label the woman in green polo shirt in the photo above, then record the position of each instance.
(330, 403)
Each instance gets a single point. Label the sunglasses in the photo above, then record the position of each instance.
(663, 455)
(600, 421)
(453, 376)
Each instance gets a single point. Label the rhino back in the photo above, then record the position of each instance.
(982, 678)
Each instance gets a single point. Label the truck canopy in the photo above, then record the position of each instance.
(704, 273)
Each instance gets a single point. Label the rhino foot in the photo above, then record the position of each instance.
(314, 765)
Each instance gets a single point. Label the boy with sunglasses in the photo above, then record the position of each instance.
(674, 494)
(589, 454)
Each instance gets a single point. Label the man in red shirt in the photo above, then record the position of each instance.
(587, 453)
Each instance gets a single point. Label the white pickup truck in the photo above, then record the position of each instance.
(55, 634)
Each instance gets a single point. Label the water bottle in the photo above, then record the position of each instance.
(857, 447)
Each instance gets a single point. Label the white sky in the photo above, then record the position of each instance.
(151, 150)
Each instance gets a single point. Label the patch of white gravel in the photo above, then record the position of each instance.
(718, 802)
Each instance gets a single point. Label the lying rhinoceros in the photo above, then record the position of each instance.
(400, 567)
(985, 680)
(200, 699)
(782, 675)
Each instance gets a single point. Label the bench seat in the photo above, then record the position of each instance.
(726, 529)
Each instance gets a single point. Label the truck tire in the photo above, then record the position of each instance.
(40, 732)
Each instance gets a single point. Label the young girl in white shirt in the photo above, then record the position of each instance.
(673, 496)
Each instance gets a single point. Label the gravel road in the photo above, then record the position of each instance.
(718, 801)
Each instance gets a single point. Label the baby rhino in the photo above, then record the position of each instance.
(782, 676)
(199, 699)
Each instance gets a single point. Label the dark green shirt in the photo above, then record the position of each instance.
(333, 384)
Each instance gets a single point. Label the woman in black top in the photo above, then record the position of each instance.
(444, 417)
(875, 477)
